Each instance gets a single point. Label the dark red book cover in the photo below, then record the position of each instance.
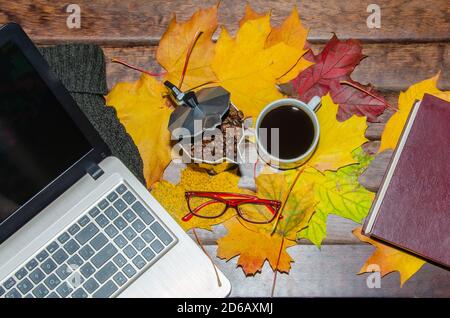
(412, 207)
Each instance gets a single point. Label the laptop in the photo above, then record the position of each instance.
(74, 221)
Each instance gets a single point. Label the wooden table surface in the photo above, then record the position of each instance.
(412, 44)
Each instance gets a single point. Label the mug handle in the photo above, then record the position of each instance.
(314, 103)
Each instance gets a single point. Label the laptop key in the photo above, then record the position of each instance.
(79, 293)
(71, 246)
(106, 290)
(37, 276)
(21, 273)
(138, 244)
(74, 229)
(121, 189)
(25, 286)
(148, 254)
(52, 281)
(53, 295)
(13, 293)
(129, 197)
(60, 256)
(63, 271)
(112, 196)
(120, 223)
(111, 231)
(106, 272)
(86, 252)
(87, 233)
(94, 212)
(52, 247)
(63, 237)
(148, 236)
(129, 215)
(120, 241)
(99, 241)
(83, 221)
(139, 262)
(129, 251)
(2, 291)
(75, 261)
(41, 291)
(91, 285)
(120, 260)
(120, 279)
(42, 256)
(138, 225)
(31, 264)
(129, 233)
(102, 220)
(9, 283)
(157, 246)
(111, 213)
(104, 255)
(143, 213)
(87, 270)
(48, 266)
(64, 290)
(103, 204)
(161, 233)
(120, 205)
(129, 271)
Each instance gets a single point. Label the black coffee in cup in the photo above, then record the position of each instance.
(296, 131)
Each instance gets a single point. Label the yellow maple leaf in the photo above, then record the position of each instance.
(176, 42)
(254, 248)
(255, 243)
(294, 34)
(389, 259)
(248, 69)
(171, 196)
(291, 32)
(144, 112)
(337, 139)
(394, 126)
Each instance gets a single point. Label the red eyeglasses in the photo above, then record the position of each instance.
(212, 205)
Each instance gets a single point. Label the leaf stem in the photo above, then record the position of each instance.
(368, 93)
(276, 268)
(188, 56)
(114, 60)
(204, 251)
(300, 170)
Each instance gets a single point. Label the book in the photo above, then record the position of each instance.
(412, 208)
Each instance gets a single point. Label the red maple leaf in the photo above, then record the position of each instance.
(333, 66)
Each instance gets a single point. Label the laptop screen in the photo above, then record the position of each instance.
(38, 139)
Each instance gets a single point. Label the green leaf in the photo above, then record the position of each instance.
(337, 193)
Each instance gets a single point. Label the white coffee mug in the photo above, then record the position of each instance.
(308, 109)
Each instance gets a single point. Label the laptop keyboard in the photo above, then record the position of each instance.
(98, 255)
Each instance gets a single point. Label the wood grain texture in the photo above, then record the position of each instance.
(116, 22)
(331, 272)
(387, 66)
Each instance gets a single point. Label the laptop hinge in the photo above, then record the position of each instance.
(95, 171)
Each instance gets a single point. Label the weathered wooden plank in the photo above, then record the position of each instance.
(391, 67)
(331, 272)
(115, 22)
(339, 231)
(372, 177)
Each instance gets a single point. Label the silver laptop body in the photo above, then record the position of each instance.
(99, 232)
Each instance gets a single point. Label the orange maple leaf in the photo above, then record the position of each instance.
(389, 259)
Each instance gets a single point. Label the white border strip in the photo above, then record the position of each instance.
(391, 170)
